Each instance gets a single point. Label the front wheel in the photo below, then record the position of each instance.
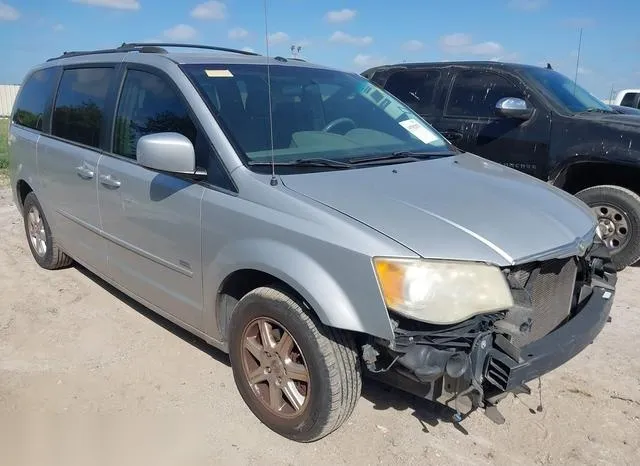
(299, 377)
(618, 213)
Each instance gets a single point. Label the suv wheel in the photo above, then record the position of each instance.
(43, 247)
(618, 212)
(299, 377)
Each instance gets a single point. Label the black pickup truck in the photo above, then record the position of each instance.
(536, 120)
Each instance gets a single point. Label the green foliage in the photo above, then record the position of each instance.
(4, 156)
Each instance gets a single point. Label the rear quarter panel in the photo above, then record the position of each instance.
(23, 160)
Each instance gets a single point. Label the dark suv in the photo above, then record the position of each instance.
(536, 120)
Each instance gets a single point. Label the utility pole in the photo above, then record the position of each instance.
(575, 81)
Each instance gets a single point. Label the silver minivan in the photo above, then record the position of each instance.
(307, 223)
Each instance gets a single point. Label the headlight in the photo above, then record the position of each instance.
(441, 292)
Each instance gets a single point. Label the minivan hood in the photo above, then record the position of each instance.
(461, 207)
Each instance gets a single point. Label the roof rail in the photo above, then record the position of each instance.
(151, 47)
(191, 46)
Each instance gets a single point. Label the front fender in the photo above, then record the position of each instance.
(339, 285)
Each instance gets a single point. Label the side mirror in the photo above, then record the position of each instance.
(512, 107)
(167, 152)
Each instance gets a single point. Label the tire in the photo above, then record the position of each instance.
(329, 355)
(43, 246)
(618, 209)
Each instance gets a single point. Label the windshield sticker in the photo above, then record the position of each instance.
(219, 73)
(419, 131)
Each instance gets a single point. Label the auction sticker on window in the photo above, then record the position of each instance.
(419, 131)
(218, 73)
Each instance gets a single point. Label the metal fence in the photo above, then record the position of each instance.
(8, 94)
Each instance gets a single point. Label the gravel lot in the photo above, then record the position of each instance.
(88, 377)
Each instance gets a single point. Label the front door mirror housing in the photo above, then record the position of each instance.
(513, 107)
(167, 152)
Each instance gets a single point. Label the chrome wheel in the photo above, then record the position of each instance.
(37, 233)
(613, 225)
(275, 368)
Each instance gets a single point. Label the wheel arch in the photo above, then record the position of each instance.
(22, 189)
(246, 265)
(585, 172)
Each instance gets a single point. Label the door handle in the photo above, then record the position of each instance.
(85, 172)
(109, 181)
(452, 135)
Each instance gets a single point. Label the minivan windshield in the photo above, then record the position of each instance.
(566, 92)
(317, 115)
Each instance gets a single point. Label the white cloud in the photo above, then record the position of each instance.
(508, 57)
(238, 34)
(485, 48)
(117, 4)
(210, 10)
(527, 5)
(344, 38)
(8, 13)
(278, 38)
(340, 16)
(58, 27)
(248, 49)
(302, 43)
(412, 45)
(368, 61)
(180, 32)
(461, 44)
(584, 71)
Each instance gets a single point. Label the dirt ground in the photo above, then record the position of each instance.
(88, 377)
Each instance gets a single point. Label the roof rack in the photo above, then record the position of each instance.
(150, 47)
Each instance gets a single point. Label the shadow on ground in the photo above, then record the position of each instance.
(426, 412)
(156, 318)
(382, 396)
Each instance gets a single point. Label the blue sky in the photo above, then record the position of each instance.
(352, 34)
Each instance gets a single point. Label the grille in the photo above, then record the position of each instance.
(550, 287)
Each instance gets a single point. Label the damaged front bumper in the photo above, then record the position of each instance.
(478, 362)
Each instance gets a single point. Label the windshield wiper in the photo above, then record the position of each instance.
(596, 110)
(313, 162)
(406, 155)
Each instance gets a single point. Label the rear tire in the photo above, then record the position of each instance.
(43, 246)
(333, 370)
(618, 211)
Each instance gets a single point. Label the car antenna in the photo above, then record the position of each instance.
(274, 180)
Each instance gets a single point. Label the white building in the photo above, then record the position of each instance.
(8, 93)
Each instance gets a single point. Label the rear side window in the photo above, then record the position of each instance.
(148, 104)
(475, 94)
(415, 88)
(33, 98)
(79, 111)
(629, 99)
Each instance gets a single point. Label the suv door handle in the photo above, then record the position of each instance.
(452, 135)
(85, 172)
(109, 181)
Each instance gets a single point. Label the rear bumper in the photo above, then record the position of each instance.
(508, 368)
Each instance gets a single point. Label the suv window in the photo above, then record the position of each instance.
(148, 104)
(476, 93)
(78, 114)
(629, 99)
(33, 98)
(415, 88)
